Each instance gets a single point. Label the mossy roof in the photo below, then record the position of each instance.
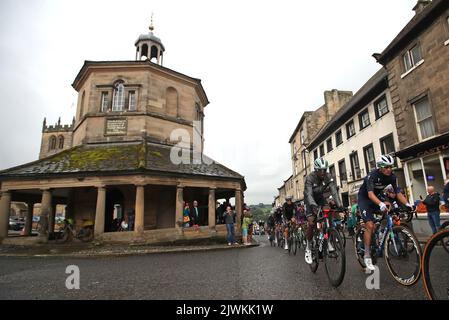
(115, 160)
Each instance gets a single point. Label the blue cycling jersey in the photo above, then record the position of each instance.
(376, 182)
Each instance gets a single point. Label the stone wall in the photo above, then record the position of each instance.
(430, 78)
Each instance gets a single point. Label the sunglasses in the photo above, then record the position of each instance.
(388, 167)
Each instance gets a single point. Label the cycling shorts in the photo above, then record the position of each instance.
(367, 209)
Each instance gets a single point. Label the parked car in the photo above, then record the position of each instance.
(16, 224)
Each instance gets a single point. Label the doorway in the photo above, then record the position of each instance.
(114, 210)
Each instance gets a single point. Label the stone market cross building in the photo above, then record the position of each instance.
(118, 154)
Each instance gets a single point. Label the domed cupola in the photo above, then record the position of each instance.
(148, 46)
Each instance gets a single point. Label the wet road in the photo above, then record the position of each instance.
(262, 272)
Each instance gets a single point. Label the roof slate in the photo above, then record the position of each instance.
(118, 159)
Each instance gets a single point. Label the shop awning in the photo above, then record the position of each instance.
(424, 148)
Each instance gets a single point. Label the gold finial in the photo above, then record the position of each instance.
(151, 25)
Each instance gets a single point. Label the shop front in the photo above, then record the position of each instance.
(425, 164)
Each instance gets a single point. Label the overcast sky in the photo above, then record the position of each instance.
(262, 64)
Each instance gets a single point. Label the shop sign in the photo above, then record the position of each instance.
(433, 150)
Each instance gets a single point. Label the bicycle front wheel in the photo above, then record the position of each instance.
(295, 243)
(403, 255)
(445, 241)
(435, 265)
(335, 258)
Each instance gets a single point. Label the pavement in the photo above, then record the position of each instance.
(93, 249)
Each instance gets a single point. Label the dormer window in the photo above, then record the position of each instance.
(118, 100)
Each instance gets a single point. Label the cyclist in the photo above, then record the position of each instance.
(288, 209)
(278, 223)
(270, 225)
(373, 187)
(318, 183)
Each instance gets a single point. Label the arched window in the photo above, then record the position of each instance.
(171, 102)
(82, 104)
(154, 53)
(52, 143)
(118, 100)
(61, 142)
(144, 52)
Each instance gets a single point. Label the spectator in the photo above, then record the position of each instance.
(229, 217)
(245, 225)
(124, 225)
(186, 216)
(352, 219)
(221, 210)
(250, 225)
(195, 214)
(432, 202)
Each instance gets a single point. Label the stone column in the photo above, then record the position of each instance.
(140, 209)
(100, 211)
(212, 208)
(5, 208)
(45, 212)
(29, 219)
(179, 206)
(238, 210)
(51, 219)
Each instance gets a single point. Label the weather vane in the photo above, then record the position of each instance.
(151, 25)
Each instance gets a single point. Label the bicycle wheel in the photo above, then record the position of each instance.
(88, 235)
(445, 242)
(359, 247)
(295, 243)
(403, 255)
(334, 258)
(435, 265)
(303, 240)
(65, 235)
(289, 243)
(342, 236)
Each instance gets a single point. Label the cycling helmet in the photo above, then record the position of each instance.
(321, 164)
(288, 198)
(385, 161)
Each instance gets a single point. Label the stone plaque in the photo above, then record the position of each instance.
(115, 126)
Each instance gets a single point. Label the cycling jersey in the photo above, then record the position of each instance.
(288, 210)
(270, 221)
(278, 216)
(317, 190)
(376, 182)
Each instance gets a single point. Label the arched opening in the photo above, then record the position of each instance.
(172, 102)
(52, 143)
(118, 102)
(144, 52)
(61, 142)
(154, 53)
(115, 210)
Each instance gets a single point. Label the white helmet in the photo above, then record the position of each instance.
(321, 164)
(385, 161)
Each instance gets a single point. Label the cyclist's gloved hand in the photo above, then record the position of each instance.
(382, 206)
(410, 206)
